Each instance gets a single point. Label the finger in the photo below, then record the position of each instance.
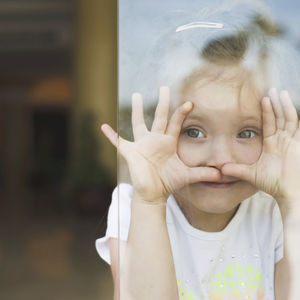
(297, 133)
(121, 144)
(137, 117)
(162, 111)
(177, 119)
(269, 121)
(290, 113)
(244, 172)
(203, 174)
(280, 120)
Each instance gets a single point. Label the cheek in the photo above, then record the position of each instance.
(190, 154)
(194, 154)
(249, 153)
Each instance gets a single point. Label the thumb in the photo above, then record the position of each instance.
(111, 135)
(242, 171)
(121, 144)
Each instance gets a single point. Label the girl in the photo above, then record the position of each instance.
(202, 219)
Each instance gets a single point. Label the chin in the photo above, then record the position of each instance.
(215, 200)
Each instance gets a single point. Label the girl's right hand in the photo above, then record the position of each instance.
(155, 169)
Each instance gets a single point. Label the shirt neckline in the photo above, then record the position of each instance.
(173, 208)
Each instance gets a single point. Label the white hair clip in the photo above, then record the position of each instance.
(200, 24)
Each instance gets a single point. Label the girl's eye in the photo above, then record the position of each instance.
(247, 134)
(195, 133)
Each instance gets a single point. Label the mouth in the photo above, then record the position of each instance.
(219, 185)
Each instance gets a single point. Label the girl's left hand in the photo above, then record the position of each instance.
(277, 171)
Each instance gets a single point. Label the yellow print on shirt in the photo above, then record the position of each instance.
(235, 282)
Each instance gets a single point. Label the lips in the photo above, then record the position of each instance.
(221, 184)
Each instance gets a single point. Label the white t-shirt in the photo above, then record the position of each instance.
(235, 263)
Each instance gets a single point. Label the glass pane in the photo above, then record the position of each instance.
(190, 220)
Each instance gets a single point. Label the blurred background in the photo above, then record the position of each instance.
(57, 86)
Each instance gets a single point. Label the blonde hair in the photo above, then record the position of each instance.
(227, 50)
(223, 63)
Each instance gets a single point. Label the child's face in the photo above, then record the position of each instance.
(224, 126)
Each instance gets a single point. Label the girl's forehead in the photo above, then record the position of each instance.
(221, 95)
(224, 116)
(225, 78)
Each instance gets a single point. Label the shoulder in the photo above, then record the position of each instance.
(121, 204)
(121, 197)
(264, 207)
(118, 221)
(123, 190)
(264, 215)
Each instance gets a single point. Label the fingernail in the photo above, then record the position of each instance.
(164, 92)
(136, 96)
(284, 93)
(103, 126)
(187, 105)
(273, 91)
(265, 99)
